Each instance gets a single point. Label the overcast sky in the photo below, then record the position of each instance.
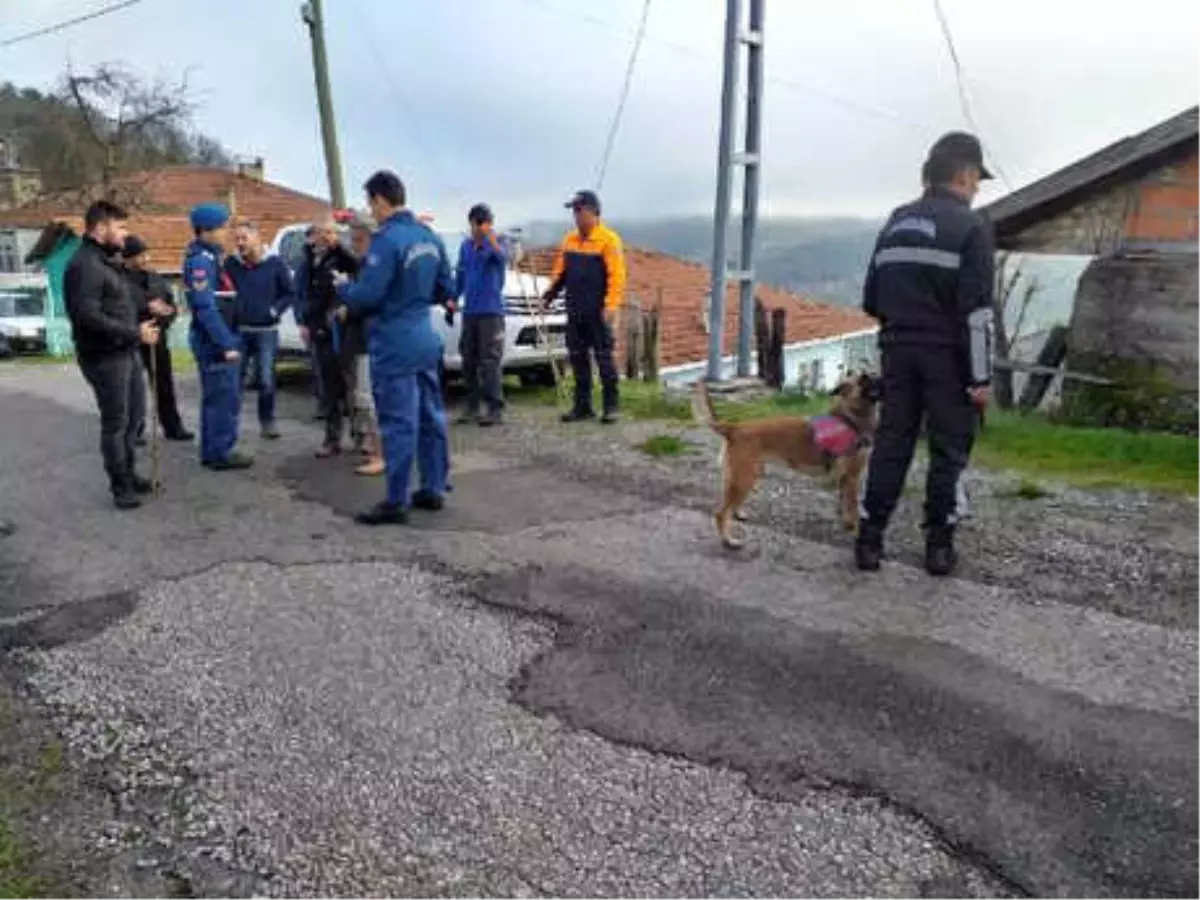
(510, 101)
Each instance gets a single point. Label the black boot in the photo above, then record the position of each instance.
(427, 500)
(868, 547)
(940, 558)
(124, 496)
(578, 415)
(141, 485)
(232, 462)
(611, 403)
(382, 514)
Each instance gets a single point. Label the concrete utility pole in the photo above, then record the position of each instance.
(750, 160)
(312, 16)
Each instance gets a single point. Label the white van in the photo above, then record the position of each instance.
(532, 339)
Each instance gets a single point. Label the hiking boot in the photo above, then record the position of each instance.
(270, 432)
(328, 449)
(940, 558)
(610, 417)
(126, 499)
(179, 434)
(868, 548)
(428, 501)
(578, 415)
(491, 418)
(382, 514)
(141, 485)
(232, 462)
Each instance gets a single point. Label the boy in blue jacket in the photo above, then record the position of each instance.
(482, 262)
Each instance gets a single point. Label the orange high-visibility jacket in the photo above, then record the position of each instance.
(591, 270)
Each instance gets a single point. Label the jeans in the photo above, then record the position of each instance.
(116, 380)
(264, 347)
(482, 349)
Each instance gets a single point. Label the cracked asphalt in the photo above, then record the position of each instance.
(562, 686)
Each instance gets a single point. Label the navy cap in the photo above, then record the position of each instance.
(207, 216)
(584, 200)
(961, 147)
(134, 246)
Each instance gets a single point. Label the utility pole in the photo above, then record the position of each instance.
(750, 160)
(310, 13)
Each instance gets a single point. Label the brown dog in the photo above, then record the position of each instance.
(838, 442)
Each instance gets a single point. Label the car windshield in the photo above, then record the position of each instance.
(20, 302)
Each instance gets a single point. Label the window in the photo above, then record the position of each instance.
(20, 302)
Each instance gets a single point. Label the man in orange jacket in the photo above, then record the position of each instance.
(590, 267)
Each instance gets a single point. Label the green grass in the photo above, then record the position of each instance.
(15, 877)
(1088, 457)
(660, 445)
(1030, 446)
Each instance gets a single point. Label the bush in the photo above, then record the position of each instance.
(1144, 398)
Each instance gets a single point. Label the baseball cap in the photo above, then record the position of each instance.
(134, 246)
(584, 200)
(962, 147)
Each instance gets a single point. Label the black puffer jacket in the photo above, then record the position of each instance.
(146, 286)
(99, 302)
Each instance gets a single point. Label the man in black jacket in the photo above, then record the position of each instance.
(930, 285)
(106, 333)
(155, 304)
(325, 258)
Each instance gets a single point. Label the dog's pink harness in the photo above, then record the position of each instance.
(834, 436)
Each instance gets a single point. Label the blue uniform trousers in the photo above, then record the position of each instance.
(412, 425)
(220, 407)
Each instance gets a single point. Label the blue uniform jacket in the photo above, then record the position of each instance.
(480, 278)
(210, 336)
(405, 273)
(264, 290)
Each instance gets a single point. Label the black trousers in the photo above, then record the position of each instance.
(335, 399)
(589, 335)
(164, 387)
(927, 383)
(116, 380)
(482, 349)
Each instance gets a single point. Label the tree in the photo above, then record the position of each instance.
(1011, 306)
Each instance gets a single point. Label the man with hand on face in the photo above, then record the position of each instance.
(590, 266)
(482, 262)
(264, 293)
(155, 304)
(405, 273)
(106, 332)
(930, 285)
(327, 261)
(214, 343)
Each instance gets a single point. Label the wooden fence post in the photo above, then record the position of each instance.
(631, 319)
(651, 344)
(762, 337)
(775, 374)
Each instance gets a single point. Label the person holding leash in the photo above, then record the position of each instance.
(930, 285)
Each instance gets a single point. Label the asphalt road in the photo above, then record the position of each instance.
(560, 685)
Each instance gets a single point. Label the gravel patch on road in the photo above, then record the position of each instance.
(1126, 552)
(348, 729)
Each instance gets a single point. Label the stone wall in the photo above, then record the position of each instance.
(1136, 317)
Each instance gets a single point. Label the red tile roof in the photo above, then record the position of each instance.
(160, 200)
(683, 287)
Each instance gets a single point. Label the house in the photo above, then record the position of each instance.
(821, 339)
(1133, 207)
(159, 202)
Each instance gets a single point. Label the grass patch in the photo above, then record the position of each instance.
(15, 877)
(1029, 445)
(660, 445)
(1089, 457)
(1025, 489)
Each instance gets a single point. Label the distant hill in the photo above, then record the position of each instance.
(823, 258)
(820, 257)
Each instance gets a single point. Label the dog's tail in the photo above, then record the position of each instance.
(702, 410)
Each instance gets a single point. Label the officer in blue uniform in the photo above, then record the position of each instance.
(214, 342)
(407, 270)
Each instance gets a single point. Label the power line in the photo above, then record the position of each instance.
(961, 82)
(624, 95)
(52, 29)
(791, 84)
(403, 102)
